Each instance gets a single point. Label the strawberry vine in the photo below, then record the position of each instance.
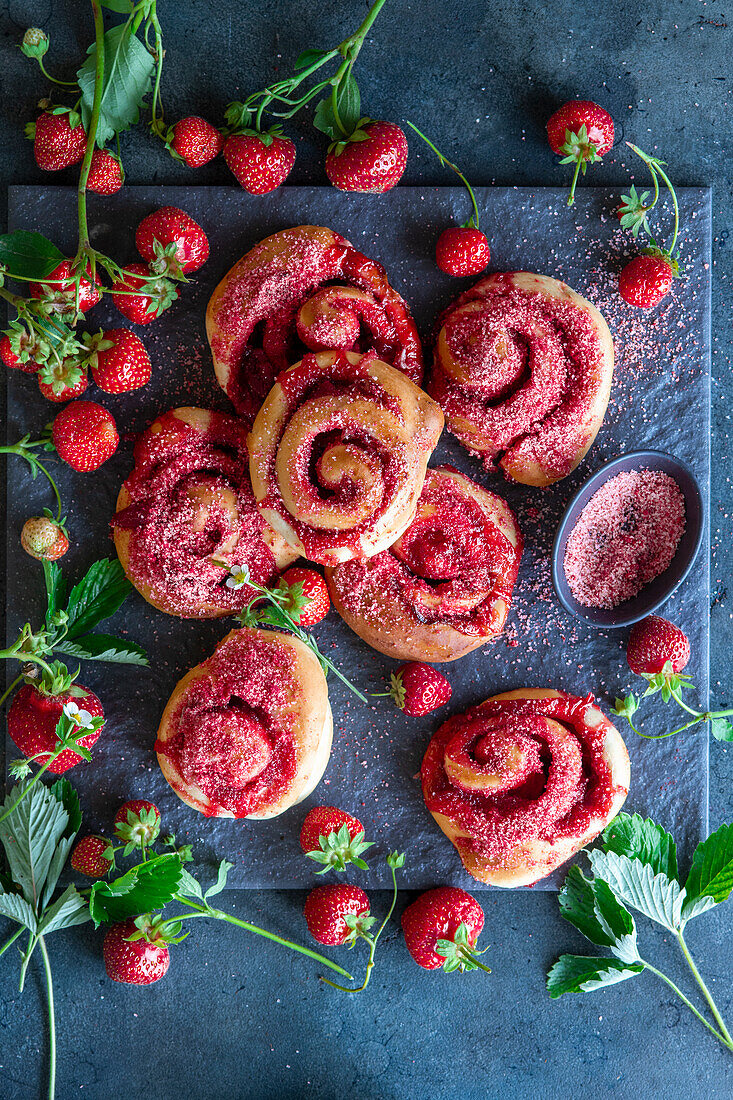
(635, 209)
(670, 685)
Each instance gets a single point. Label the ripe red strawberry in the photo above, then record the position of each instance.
(89, 858)
(33, 717)
(24, 361)
(141, 309)
(57, 142)
(62, 381)
(85, 435)
(328, 909)
(259, 167)
(105, 173)
(646, 280)
(441, 928)
(418, 689)
(462, 251)
(119, 361)
(44, 539)
(581, 133)
(375, 164)
(139, 961)
(652, 643)
(196, 141)
(59, 295)
(170, 225)
(334, 838)
(137, 822)
(315, 592)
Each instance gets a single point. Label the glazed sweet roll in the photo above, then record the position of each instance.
(187, 513)
(445, 586)
(338, 454)
(305, 288)
(247, 733)
(522, 370)
(523, 781)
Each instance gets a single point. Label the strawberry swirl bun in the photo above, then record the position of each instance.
(247, 733)
(338, 454)
(445, 586)
(522, 782)
(303, 289)
(522, 370)
(188, 505)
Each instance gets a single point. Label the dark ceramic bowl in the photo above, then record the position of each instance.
(654, 594)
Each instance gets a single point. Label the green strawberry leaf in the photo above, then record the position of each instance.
(721, 729)
(66, 912)
(143, 888)
(16, 908)
(349, 104)
(593, 909)
(63, 791)
(580, 973)
(123, 7)
(221, 879)
(308, 57)
(710, 880)
(30, 835)
(28, 254)
(189, 886)
(103, 647)
(325, 120)
(641, 838)
(635, 884)
(128, 68)
(100, 592)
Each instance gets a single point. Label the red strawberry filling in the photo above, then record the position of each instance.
(226, 748)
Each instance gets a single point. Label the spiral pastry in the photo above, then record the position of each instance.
(304, 289)
(247, 733)
(523, 781)
(338, 454)
(522, 370)
(445, 586)
(188, 505)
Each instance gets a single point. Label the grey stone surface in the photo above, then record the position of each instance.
(235, 1018)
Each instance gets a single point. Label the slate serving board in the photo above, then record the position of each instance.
(660, 399)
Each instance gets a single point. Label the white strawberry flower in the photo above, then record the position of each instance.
(238, 576)
(79, 717)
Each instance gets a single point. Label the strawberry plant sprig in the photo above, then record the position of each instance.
(670, 685)
(635, 209)
(282, 608)
(636, 868)
(473, 221)
(337, 113)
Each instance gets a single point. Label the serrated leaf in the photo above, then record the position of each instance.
(128, 68)
(100, 592)
(55, 589)
(635, 884)
(189, 886)
(593, 909)
(641, 838)
(56, 866)
(69, 910)
(221, 879)
(28, 254)
(143, 888)
(67, 795)
(17, 908)
(30, 835)
(103, 647)
(711, 874)
(721, 729)
(580, 973)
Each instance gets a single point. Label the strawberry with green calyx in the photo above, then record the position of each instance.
(93, 856)
(462, 250)
(22, 350)
(581, 133)
(170, 232)
(35, 45)
(441, 929)
(305, 595)
(118, 360)
(260, 161)
(44, 538)
(59, 139)
(106, 174)
(648, 277)
(136, 951)
(62, 381)
(417, 689)
(275, 612)
(68, 289)
(334, 838)
(54, 729)
(340, 914)
(141, 294)
(194, 141)
(137, 823)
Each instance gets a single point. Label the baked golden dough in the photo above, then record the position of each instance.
(305, 288)
(248, 732)
(338, 454)
(445, 586)
(188, 504)
(522, 370)
(522, 782)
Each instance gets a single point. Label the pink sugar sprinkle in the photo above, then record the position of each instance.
(627, 534)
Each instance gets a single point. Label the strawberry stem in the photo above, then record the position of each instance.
(654, 165)
(574, 184)
(91, 133)
(51, 1021)
(454, 168)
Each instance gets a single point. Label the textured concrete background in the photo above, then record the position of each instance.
(236, 1019)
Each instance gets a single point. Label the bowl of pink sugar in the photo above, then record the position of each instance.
(628, 538)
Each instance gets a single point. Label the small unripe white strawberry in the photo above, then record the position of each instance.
(44, 539)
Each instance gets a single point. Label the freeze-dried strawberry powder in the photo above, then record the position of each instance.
(627, 534)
